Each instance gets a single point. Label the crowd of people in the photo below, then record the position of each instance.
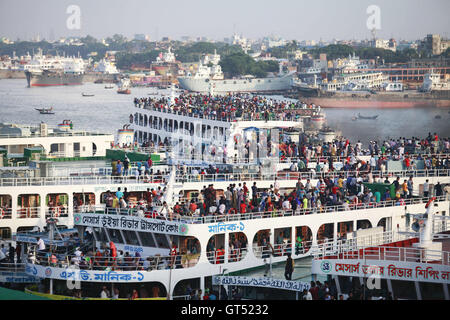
(228, 107)
(109, 258)
(348, 192)
(353, 291)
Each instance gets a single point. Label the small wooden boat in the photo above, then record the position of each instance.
(109, 87)
(87, 95)
(45, 111)
(367, 118)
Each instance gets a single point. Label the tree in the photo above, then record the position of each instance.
(238, 64)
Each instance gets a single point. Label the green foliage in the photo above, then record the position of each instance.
(282, 51)
(194, 52)
(125, 60)
(335, 51)
(237, 64)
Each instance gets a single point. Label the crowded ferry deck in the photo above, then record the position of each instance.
(192, 203)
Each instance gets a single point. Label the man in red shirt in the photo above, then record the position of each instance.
(245, 191)
(243, 208)
(192, 207)
(407, 163)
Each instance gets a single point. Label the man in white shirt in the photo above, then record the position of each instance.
(222, 208)
(276, 185)
(286, 204)
(401, 150)
(104, 294)
(308, 185)
(2, 256)
(41, 244)
(307, 295)
(426, 189)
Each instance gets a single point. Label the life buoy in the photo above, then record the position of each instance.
(429, 201)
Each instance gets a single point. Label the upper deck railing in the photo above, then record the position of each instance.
(92, 177)
(295, 175)
(81, 180)
(281, 116)
(352, 249)
(54, 134)
(262, 215)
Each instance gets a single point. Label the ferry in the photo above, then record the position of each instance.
(209, 76)
(124, 86)
(166, 252)
(412, 264)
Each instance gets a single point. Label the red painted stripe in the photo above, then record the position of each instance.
(49, 85)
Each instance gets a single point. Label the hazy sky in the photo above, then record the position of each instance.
(290, 19)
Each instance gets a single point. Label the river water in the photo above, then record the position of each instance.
(108, 111)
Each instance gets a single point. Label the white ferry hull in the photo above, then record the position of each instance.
(236, 85)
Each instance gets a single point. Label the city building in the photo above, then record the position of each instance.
(434, 44)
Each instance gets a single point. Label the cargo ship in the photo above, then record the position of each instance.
(433, 93)
(45, 78)
(210, 78)
(236, 85)
(369, 100)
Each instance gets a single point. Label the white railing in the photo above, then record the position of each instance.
(100, 171)
(57, 212)
(148, 150)
(53, 134)
(28, 212)
(405, 254)
(122, 263)
(342, 159)
(234, 255)
(282, 249)
(5, 213)
(80, 180)
(441, 223)
(278, 116)
(12, 267)
(283, 213)
(295, 175)
(374, 247)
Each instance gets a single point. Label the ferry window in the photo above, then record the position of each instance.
(147, 239)
(162, 241)
(100, 235)
(130, 237)
(5, 233)
(115, 236)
